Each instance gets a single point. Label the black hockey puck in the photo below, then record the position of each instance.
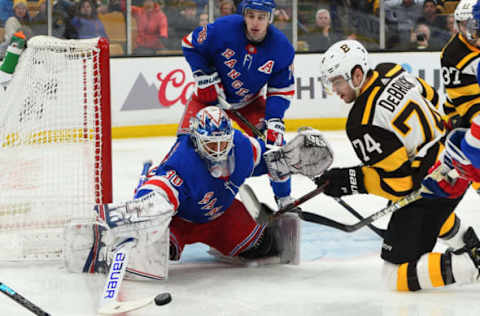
(163, 298)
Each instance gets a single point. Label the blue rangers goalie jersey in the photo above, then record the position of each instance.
(195, 194)
(244, 68)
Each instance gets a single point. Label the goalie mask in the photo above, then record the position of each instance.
(212, 135)
(340, 60)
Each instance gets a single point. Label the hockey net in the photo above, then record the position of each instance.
(55, 144)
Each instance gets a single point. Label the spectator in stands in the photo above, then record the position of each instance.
(451, 26)
(39, 23)
(431, 17)
(186, 21)
(172, 11)
(437, 23)
(115, 5)
(283, 23)
(6, 11)
(152, 28)
(227, 7)
(203, 19)
(401, 16)
(421, 39)
(322, 35)
(86, 21)
(20, 21)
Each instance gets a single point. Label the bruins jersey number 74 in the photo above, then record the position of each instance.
(394, 128)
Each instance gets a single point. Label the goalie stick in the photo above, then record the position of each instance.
(380, 232)
(5, 289)
(108, 303)
(265, 214)
(227, 106)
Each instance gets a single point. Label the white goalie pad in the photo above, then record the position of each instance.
(148, 259)
(308, 153)
(78, 241)
(259, 212)
(145, 220)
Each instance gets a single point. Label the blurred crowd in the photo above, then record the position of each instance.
(158, 25)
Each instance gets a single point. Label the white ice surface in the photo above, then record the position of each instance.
(339, 273)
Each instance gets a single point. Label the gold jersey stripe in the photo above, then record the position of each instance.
(435, 269)
(428, 90)
(469, 46)
(393, 161)
(393, 71)
(471, 89)
(466, 59)
(369, 82)
(400, 184)
(464, 107)
(371, 179)
(447, 225)
(402, 283)
(369, 105)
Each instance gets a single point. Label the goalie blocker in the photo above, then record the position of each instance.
(89, 247)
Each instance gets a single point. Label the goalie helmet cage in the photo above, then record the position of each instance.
(55, 145)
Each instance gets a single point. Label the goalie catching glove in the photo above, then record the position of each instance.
(308, 153)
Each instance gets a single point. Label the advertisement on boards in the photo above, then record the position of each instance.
(154, 91)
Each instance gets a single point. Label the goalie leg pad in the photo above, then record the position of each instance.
(85, 248)
(149, 258)
(261, 213)
(286, 230)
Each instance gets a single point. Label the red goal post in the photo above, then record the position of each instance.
(55, 144)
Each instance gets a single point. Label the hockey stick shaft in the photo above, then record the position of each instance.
(227, 106)
(119, 264)
(143, 176)
(252, 127)
(22, 300)
(315, 218)
(380, 232)
(304, 198)
(116, 273)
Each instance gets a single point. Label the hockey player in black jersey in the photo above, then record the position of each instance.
(396, 132)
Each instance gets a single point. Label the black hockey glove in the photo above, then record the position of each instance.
(342, 181)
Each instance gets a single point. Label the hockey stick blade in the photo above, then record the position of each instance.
(116, 307)
(22, 300)
(315, 218)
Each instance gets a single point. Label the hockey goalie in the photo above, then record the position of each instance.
(190, 197)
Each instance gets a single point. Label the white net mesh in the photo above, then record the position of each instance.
(50, 146)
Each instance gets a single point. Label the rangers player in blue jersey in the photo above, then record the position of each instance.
(233, 59)
(192, 192)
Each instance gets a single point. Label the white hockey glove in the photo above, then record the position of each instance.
(308, 153)
(136, 218)
(275, 131)
(209, 87)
